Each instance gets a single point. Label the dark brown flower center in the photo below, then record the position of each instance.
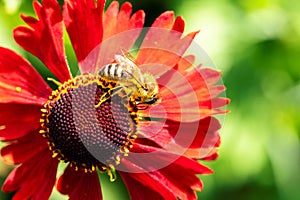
(84, 134)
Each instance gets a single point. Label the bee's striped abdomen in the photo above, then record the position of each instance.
(113, 71)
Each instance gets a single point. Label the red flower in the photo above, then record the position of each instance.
(154, 150)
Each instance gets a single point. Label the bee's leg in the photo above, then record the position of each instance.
(103, 98)
(142, 107)
(110, 93)
(128, 94)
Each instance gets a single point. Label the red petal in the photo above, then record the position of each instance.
(165, 20)
(24, 148)
(110, 19)
(83, 20)
(139, 191)
(179, 100)
(203, 133)
(178, 175)
(210, 76)
(154, 131)
(120, 33)
(212, 156)
(79, 185)
(199, 134)
(146, 182)
(115, 22)
(19, 81)
(163, 44)
(156, 158)
(185, 63)
(65, 183)
(196, 139)
(17, 120)
(183, 182)
(216, 90)
(188, 95)
(34, 179)
(220, 102)
(179, 24)
(44, 37)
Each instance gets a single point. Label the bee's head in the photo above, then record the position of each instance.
(149, 91)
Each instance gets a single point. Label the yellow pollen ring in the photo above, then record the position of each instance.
(85, 80)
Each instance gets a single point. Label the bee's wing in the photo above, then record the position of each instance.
(130, 67)
(128, 55)
(134, 72)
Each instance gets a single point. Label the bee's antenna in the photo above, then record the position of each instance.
(122, 52)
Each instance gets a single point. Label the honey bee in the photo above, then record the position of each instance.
(143, 88)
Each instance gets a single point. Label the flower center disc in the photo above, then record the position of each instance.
(80, 132)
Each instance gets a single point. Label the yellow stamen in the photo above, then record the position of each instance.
(2, 127)
(111, 172)
(118, 160)
(54, 154)
(44, 110)
(18, 89)
(54, 81)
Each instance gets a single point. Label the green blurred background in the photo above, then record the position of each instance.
(256, 44)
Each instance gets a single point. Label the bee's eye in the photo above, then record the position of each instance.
(138, 98)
